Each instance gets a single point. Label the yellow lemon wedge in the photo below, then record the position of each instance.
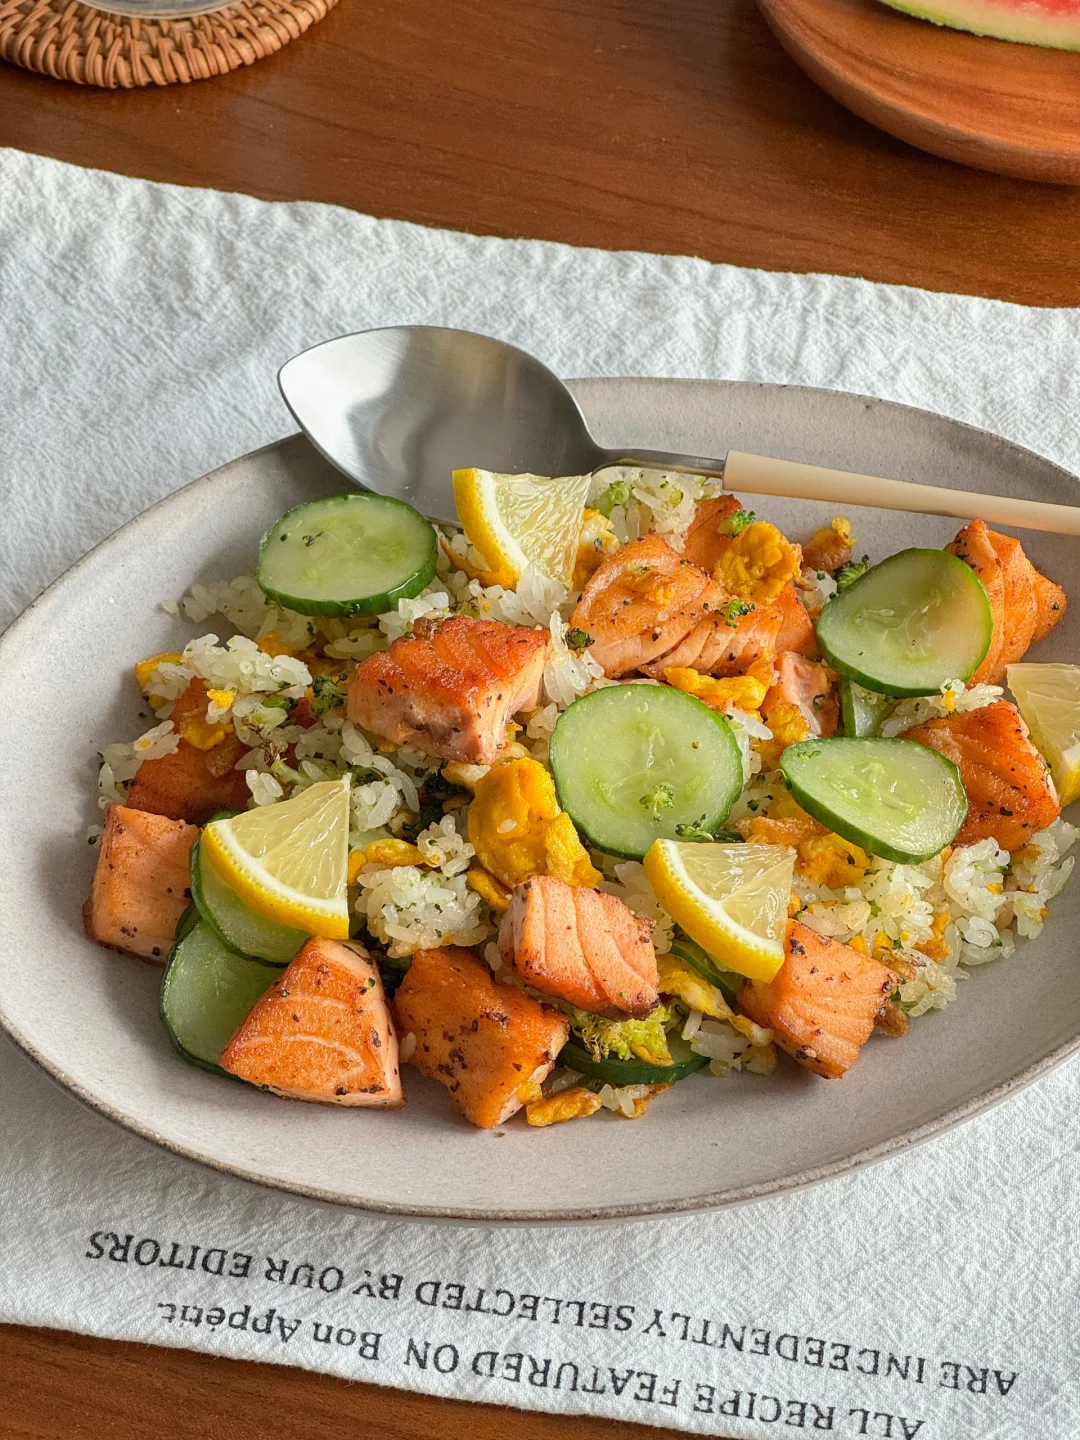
(516, 520)
(1049, 700)
(732, 899)
(290, 861)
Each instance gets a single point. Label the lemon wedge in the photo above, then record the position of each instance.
(290, 861)
(1049, 700)
(516, 520)
(731, 899)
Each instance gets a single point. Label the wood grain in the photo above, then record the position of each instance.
(680, 128)
(68, 1387)
(1014, 109)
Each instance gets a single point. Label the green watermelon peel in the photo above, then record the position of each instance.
(1051, 23)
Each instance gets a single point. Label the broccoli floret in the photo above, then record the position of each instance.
(624, 1039)
(617, 493)
(326, 696)
(734, 610)
(736, 522)
(578, 639)
(852, 571)
(659, 800)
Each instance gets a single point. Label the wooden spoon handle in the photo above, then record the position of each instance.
(758, 475)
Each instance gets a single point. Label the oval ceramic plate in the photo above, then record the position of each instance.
(89, 1016)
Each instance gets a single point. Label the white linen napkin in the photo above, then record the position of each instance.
(141, 327)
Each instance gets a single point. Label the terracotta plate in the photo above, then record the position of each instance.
(90, 1016)
(989, 103)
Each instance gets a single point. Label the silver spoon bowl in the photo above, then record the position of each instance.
(399, 410)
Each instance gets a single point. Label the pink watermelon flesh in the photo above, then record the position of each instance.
(1053, 23)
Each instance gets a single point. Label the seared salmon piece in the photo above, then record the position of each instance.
(830, 548)
(647, 608)
(491, 1045)
(822, 1003)
(795, 630)
(141, 884)
(192, 784)
(723, 646)
(451, 687)
(581, 946)
(805, 686)
(1010, 793)
(705, 542)
(641, 602)
(1025, 604)
(322, 1033)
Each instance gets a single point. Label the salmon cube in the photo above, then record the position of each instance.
(823, 1002)
(141, 885)
(489, 1044)
(451, 687)
(1010, 793)
(1024, 604)
(323, 1032)
(581, 946)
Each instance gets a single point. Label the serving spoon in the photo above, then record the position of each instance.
(399, 409)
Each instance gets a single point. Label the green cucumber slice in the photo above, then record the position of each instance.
(895, 798)
(347, 555)
(909, 624)
(234, 922)
(206, 992)
(708, 967)
(862, 710)
(634, 1072)
(634, 763)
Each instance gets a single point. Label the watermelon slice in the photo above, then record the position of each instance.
(1053, 23)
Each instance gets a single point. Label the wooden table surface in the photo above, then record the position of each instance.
(669, 125)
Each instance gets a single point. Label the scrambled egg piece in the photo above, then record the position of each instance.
(788, 725)
(272, 644)
(518, 830)
(357, 861)
(642, 1103)
(489, 889)
(596, 541)
(566, 1105)
(829, 860)
(392, 852)
(679, 978)
(758, 563)
(821, 856)
(744, 692)
(937, 947)
(831, 547)
(144, 671)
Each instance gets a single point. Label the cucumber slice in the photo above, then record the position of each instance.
(708, 967)
(234, 922)
(862, 710)
(207, 991)
(909, 624)
(634, 1072)
(634, 763)
(895, 798)
(347, 555)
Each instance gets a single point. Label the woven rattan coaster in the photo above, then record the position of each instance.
(71, 41)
